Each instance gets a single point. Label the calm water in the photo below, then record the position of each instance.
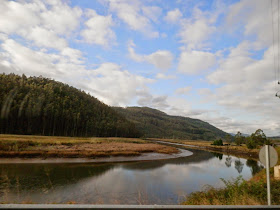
(151, 182)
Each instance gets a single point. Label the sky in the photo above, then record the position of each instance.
(210, 60)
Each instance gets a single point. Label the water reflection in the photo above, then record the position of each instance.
(239, 165)
(228, 161)
(255, 166)
(150, 182)
(218, 155)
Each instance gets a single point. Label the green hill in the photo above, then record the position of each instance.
(156, 124)
(42, 106)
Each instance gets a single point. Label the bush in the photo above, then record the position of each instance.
(218, 142)
(236, 192)
(251, 144)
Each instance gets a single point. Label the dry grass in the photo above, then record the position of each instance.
(241, 151)
(46, 146)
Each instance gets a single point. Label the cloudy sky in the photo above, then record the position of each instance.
(211, 60)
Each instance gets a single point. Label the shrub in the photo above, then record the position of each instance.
(218, 142)
(236, 192)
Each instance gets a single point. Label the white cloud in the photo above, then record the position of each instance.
(184, 90)
(162, 59)
(197, 29)
(205, 91)
(194, 33)
(44, 24)
(98, 29)
(108, 82)
(173, 16)
(255, 19)
(115, 86)
(163, 76)
(247, 86)
(153, 101)
(61, 18)
(130, 12)
(152, 12)
(45, 38)
(15, 15)
(194, 62)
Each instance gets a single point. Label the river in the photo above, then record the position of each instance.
(142, 182)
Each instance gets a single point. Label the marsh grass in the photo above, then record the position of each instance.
(70, 147)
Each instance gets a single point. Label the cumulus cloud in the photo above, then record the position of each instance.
(162, 59)
(154, 101)
(152, 12)
(108, 82)
(198, 28)
(173, 16)
(98, 29)
(254, 18)
(194, 62)
(184, 90)
(164, 76)
(131, 13)
(247, 85)
(43, 24)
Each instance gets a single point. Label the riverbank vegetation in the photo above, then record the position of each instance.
(253, 141)
(67, 147)
(239, 191)
(240, 151)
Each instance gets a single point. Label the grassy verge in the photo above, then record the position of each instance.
(239, 192)
(46, 146)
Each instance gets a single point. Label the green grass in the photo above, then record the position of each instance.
(237, 192)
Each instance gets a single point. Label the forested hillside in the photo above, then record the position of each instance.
(41, 106)
(157, 124)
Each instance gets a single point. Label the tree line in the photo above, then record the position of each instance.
(255, 140)
(42, 106)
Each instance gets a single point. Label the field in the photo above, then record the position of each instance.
(71, 147)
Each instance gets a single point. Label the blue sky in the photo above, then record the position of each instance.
(211, 60)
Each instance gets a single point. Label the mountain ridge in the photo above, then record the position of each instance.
(153, 123)
(42, 106)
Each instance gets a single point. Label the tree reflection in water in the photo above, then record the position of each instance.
(218, 155)
(254, 166)
(228, 161)
(238, 165)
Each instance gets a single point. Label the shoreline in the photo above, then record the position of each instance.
(253, 154)
(113, 159)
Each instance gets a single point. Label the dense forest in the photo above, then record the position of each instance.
(42, 106)
(157, 124)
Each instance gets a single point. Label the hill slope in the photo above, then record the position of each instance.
(156, 124)
(41, 106)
